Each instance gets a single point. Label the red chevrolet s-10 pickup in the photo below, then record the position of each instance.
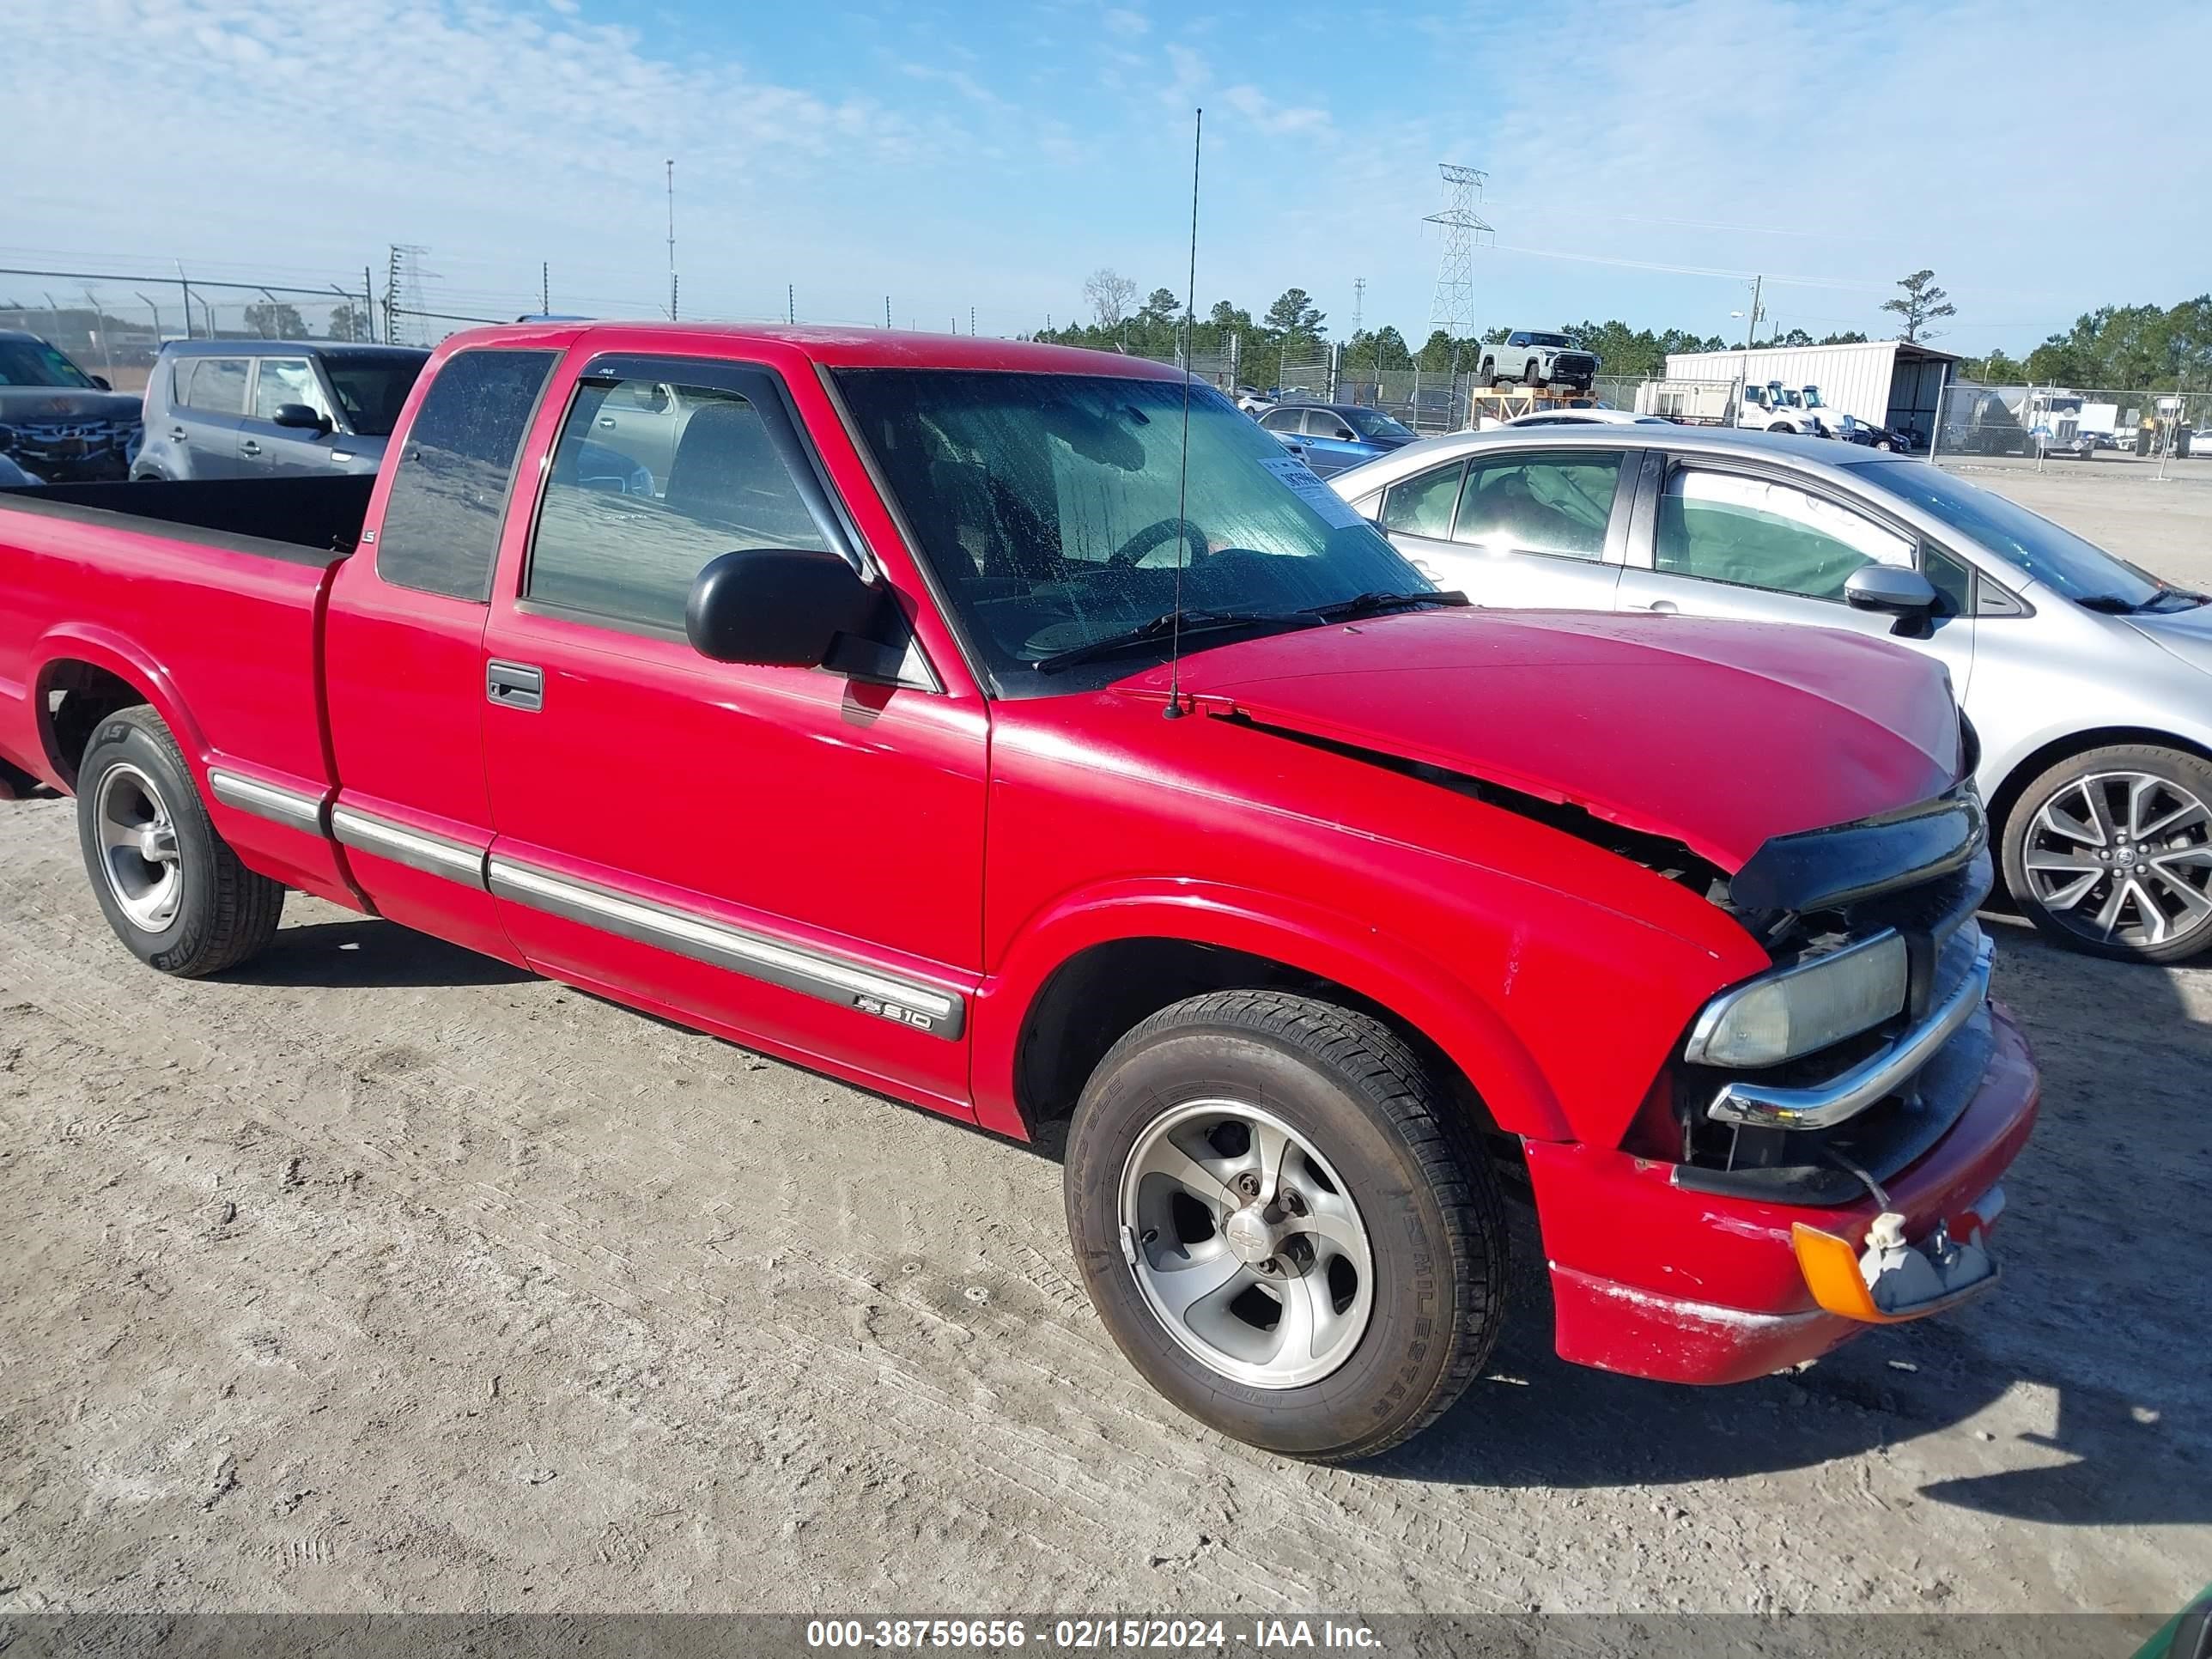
(1020, 733)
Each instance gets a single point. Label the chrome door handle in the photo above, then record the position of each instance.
(515, 685)
(249, 447)
(177, 433)
(607, 421)
(1663, 607)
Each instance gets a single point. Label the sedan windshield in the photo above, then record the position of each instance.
(372, 389)
(1373, 423)
(1048, 506)
(33, 362)
(2028, 542)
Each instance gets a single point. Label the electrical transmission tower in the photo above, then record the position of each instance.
(1359, 301)
(1453, 308)
(402, 292)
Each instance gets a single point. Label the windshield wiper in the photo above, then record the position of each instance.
(1165, 626)
(2111, 605)
(1366, 604)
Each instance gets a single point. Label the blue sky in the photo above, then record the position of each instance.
(1642, 156)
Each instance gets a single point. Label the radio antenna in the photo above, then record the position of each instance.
(1174, 710)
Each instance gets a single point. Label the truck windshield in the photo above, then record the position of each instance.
(33, 362)
(1549, 340)
(371, 390)
(2028, 542)
(1047, 507)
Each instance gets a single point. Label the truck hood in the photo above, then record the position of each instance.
(1718, 734)
(40, 404)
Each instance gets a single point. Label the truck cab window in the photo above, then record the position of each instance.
(616, 542)
(441, 531)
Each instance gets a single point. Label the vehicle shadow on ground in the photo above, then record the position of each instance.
(362, 953)
(2102, 1320)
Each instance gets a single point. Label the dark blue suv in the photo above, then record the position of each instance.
(233, 409)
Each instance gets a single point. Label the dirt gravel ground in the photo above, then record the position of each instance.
(377, 1276)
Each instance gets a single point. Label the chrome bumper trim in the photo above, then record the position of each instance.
(1822, 1106)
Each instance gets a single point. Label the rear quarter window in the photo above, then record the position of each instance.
(449, 492)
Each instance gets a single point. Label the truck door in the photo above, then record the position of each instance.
(792, 857)
(404, 651)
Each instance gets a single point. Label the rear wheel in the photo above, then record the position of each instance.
(2110, 852)
(1489, 373)
(171, 887)
(1285, 1224)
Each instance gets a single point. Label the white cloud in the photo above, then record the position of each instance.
(1273, 118)
(1122, 21)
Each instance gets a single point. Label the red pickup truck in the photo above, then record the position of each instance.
(1019, 732)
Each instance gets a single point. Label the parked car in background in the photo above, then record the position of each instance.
(234, 409)
(1538, 359)
(58, 422)
(2088, 681)
(1330, 437)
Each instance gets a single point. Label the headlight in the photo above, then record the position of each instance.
(1796, 1011)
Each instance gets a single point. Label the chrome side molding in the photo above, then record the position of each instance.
(415, 849)
(810, 973)
(288, 807)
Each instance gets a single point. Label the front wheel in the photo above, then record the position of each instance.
(2110, 852)
(1286, 1223)
(171, 887)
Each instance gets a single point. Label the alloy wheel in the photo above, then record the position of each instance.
(1245, 1244)
(2122, 858)
(138, 848)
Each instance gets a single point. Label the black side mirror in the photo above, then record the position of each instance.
(1905, 594)
(777, 606)
(300, 416)
(101, 381)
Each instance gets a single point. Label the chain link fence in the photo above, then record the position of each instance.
(2039, 424)
(114, 326)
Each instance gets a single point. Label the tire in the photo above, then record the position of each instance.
(184, 904)
(1532, 373)
(2167, 790)
(1382, 1141)
(1489, 373)
(1782, 425)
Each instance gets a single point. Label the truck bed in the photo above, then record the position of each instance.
(278, 516)
(204, 599)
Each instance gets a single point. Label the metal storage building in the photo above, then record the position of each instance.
(1886, 382)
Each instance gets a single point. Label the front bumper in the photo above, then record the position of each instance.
(1656, 1279)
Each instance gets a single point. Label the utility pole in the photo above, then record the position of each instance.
(1750, 327)
(790, 302)
(1358, 301)
(368, 304)
(671, 240)
(544, 287)
(887, 311)
(971, 322)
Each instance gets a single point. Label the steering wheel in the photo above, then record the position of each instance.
(1152, 535)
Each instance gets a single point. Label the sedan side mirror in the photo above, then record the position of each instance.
(302, 417)
(103, 383)
(777, 606)
(1905, 594)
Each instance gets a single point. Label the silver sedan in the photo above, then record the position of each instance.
(2087, 683)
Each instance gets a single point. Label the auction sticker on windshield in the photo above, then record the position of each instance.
(1332, 507)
